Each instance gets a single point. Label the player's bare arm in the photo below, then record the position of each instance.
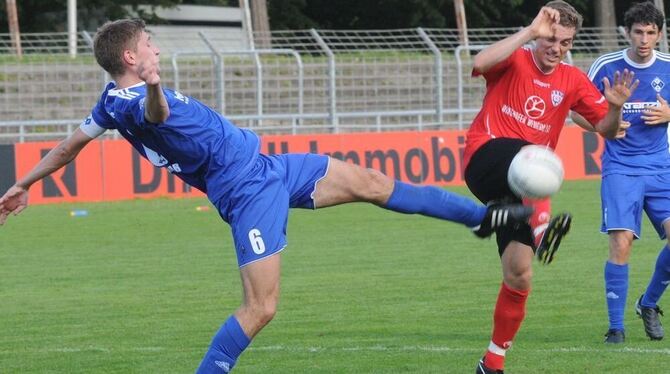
(582, 122)
(543, 26)
(616, 95)
(16, 198)
(657, 115)
(156, 108)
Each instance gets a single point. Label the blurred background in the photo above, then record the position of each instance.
(279, 66)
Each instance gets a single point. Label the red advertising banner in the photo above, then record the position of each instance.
(112, 170)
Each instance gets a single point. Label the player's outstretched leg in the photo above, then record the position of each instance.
(501, 215)
(548, 244)
(440, 203)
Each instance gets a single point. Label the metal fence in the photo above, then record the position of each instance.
(302, 81)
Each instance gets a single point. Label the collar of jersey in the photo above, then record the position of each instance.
(116, 92)
(635, 64)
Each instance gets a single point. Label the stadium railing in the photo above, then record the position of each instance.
(302, 81)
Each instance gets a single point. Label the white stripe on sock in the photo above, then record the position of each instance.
(494, 348)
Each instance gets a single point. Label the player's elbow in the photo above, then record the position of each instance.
(480, 64)
(158, 116)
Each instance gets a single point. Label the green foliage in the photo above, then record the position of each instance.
(141, 286)
(356, 14)
(51, 16)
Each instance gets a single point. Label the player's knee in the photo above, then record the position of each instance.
(519, 278)
(376, 187)
(620, 246)
(265, 311)
(261, 311)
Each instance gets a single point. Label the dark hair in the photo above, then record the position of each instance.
(644, 13)
(569, 16)
(112, 39)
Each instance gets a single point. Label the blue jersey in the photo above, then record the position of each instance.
(195, 143)
(644, 150)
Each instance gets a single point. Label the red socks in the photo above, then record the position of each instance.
(539, 220)
(509, 313)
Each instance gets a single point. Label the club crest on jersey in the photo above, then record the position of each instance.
(556, 97)
(657, 84)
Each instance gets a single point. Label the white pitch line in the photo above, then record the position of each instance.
(381, 348)
(373, 348)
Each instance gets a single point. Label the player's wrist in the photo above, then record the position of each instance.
(529, 33)
(23, 186)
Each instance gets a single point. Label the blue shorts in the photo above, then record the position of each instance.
(257, 207)
(625, 196)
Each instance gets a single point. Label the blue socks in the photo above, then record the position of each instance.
(226, 347)
(616, 290)
(659, 280)
(435, 202)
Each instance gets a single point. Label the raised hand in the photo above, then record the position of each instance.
(657, 115)
(544, 24)
(623, 86)
(149, 71)
(13, 201)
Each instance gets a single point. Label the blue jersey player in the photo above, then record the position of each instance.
(252, 192)
(636, 169)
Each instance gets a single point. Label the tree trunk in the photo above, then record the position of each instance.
(13, 20)
(606, 21)
(261, 22)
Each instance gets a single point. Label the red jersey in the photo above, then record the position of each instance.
(522, 102)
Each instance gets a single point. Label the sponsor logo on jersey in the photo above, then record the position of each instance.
(179, 96)
(531, 107)
(535, 106)
(638, 107)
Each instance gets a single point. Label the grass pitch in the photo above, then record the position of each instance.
(141, 286)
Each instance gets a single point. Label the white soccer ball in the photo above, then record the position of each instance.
(535, 172)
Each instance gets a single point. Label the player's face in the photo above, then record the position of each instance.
(549, 52)
(643, 39)
(146, 51)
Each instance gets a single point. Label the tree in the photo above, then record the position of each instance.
(51, 16)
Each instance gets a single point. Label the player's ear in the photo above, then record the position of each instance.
(128, 57)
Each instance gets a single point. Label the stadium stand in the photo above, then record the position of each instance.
(310, 81)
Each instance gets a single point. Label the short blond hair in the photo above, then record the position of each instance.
(112, 39)
(570, 17)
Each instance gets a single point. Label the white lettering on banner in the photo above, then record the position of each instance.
(537, 125)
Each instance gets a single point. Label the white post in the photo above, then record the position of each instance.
(461, 23)
(664, 34)
(246, 22)
(72, 27)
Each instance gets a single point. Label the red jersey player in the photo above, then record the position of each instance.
(529, 94)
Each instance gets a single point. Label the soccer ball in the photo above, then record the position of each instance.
(535, 172)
